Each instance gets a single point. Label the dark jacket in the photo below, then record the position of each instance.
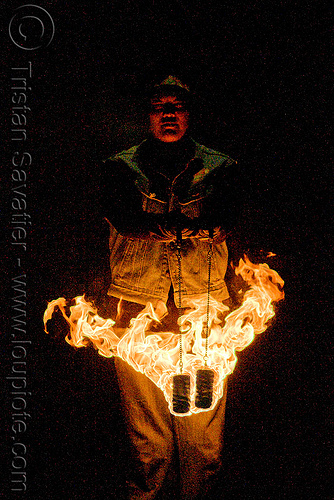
(154, 192)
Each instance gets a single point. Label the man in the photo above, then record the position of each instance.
(168, 201)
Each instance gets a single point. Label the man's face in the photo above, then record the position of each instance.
(169, 118)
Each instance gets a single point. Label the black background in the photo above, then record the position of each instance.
(261, 73)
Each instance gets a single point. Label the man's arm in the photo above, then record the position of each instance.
(122, 206)
(222, 207)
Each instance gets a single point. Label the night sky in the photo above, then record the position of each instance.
(260, 71)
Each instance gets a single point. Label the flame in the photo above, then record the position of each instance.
(157, 355)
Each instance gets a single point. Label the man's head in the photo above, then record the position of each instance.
(169, 110)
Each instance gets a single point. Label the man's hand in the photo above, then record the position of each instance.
(169, 235)
(219, 235)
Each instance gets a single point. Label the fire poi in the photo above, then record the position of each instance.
(190, 365)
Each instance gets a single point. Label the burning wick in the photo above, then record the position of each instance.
(204, 378)
(204, 388)
(156, 355)
(181, 393)
(181, 383)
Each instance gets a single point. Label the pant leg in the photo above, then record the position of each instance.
(153, 467)
(200, 442)
(168, 450)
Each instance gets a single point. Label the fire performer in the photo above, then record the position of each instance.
(167, 200)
